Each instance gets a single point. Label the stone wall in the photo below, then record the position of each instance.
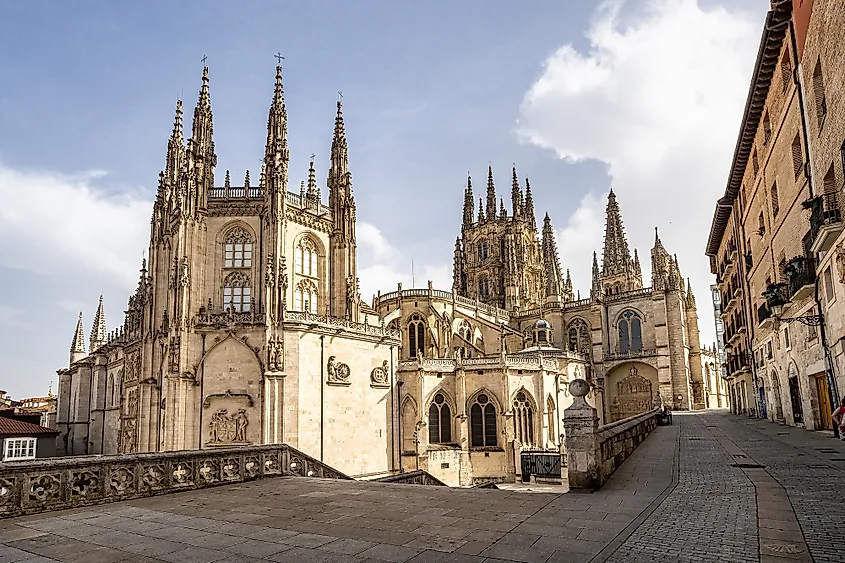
(59, 483)
(594, 452)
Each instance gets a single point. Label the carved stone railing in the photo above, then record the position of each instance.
(490, 310)
(553, 306)
(306, 203)
(627, 355)
(646, 291)
(232, 192)
(510, 361)
(418, 477)
(335, 322)
(228, 318)
(58, 483)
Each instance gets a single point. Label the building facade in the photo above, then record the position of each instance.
(247, 327)
(763, 249)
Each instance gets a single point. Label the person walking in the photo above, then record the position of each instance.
(839, 418)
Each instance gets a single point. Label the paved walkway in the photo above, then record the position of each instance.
(694, 491)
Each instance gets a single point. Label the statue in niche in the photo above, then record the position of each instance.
(183, 274)
(241, 422)
(330, 368)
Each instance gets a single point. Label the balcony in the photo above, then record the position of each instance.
(801, 273)
(825, 221)
(764, 316)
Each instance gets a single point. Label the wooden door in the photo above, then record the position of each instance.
(825, 408)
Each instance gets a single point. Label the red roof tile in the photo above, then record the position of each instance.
(10, 427)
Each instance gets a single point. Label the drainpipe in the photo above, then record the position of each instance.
(394, 412)
(202, 387)
(798, 78)
(322, 398)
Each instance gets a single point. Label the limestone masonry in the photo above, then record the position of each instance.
(247, 327)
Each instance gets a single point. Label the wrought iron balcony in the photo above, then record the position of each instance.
(764, 315)
(825, 220)
(801, 273)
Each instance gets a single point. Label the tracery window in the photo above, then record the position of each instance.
(110, 391)
(579, 336)
(416, 335)
(523, 418)
(630, 332)
(305, 258)
(465, 331)
(483, 250)
(236, 292)
(439, 421)
(482, 416)
(237, 251)
(305, 297)
(483, 287)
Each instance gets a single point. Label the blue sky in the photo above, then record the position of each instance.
(579, 94)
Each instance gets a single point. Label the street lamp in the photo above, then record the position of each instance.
(807, 320)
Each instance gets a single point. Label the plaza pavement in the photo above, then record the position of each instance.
(693, 492)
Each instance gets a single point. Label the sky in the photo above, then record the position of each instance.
(645, 96)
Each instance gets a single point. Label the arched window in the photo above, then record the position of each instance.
(523, 418)
(305, 258)
(409, 422)
(465, 333)
(630, 332)
(483, 250)
(305, 297)
(483, 287)
(110, 391)
(579, 336)
(237, 251)
(236, 292)
(482, 416)
(439, 421)
(416, 335)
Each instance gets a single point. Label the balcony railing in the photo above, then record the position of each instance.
(825, 220)
(627, 354)
(763, 314)
(801, 273)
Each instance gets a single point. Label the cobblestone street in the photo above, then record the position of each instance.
(712, 487)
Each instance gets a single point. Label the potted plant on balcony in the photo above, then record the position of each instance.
(776, 298)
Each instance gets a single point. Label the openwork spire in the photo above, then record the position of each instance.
(276, 150)
(468, 201)
(551, 262)
(516, 196)
(175, 149)
(77, 346)
(98, 330)
(595, 290)
(203, 128)
(690, 296)
(491, 195)
(529, 205)
(340, 151)
(617, 256)
(480, 211)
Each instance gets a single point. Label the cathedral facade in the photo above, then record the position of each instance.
(247, 327)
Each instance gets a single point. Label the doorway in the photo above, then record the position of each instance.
(825, 408)
(795, 399)
(776, 400)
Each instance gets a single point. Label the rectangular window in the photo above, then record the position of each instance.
(775, 200)
(298, 261)
(786, 342)
(819, 93)
(769, 350)
(16, 449)
(237, 297)
(761, 225)
(754, 162)
(797, 155)
(767, 128)
(828, 285)
(829, 182)
(313, 267)
(238, 255)
(785, 70)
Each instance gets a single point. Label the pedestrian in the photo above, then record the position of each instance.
(839, 418)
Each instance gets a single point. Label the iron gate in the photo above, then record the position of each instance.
(540, 464)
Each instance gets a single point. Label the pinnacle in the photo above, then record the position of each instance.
(177, 121)
(98, 330)
(77, 346)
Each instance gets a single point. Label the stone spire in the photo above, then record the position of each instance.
(595, 290)
(659, 264)
(175, 149)
(529, 205)
(227, 182)
(468, 201)
(551, 262)
(458, 275)
(343, 271)
(617, 256)
(203, 129)
(491, 195)
(98, 330)
(568, 285)
(77, 346)
(503, 214)
(638, 270)
(516, 196)
(340, 150)
(200, 156)
(480, 211)
(690, 296)
(277, 126)
(311, 191)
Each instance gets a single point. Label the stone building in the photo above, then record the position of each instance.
(762, 249)
(715, 389)
(247, 327)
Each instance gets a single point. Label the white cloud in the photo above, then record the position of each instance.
(381, 266)
(53, 224)
(579, 238)
(658, 97)
(13, 318)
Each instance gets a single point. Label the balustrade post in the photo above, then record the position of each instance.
(580, 424)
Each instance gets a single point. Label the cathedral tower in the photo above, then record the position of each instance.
(619, 271)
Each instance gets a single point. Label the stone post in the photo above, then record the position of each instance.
(581, 423)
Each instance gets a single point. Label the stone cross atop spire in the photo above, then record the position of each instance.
(98, 330)
(551, 262)
(617, 256)
(77, 346)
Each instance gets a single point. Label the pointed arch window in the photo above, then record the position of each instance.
(483, 250)
(305, 297)
(482, 416)
(237, 250)
(236, 292)
(523, 418)
(630, 332)
(579, 336)
(409, 421)
(484, 287)
(306, 257)
(416, 335)
(110, 391)
(439, 421)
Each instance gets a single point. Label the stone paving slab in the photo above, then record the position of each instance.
(679, 497)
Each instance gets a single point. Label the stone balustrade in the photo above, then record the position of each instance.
(594, 452)
(418, 477)
(336, 322)
(58, 483)
(491, 310)
(492, 362)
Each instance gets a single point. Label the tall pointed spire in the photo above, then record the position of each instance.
(690, 296)
(503, 214)
(98, 330)
(595, 290)
(311, 190)
(551, 263)
(468, 204)
(516, 196)
(175, 149)
(276, 154)
(491, 195)
(77, 346)
(617, 256)
(203, 128)
(480, 211)
(529, 205)
(340, 150)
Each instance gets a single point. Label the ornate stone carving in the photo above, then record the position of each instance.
(132, 402)
(269, 277)
(228, 429)
(184, 274)
(274, 354)
(175, 342)
(122, 480)
(233, 209)
(45, 488)
(153, 477)
(182, 473)
(84, 483)
(128, 438)
(338, 373)
(7, 494)
(308, 220)
(238, 235)
(208, 471)
(839, 257)
(133, 368)
(633, 396)
(380, 376)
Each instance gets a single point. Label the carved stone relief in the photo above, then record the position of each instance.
(380, 376)
(228, 429)
(634, 396)
(338, 373)
(840, 261)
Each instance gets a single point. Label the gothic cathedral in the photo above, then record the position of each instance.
(224, 343)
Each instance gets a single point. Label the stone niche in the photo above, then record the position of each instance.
(631, 389)
(230, 413)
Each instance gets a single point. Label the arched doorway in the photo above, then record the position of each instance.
(631, 389)
(795, 395)
(777, 404)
